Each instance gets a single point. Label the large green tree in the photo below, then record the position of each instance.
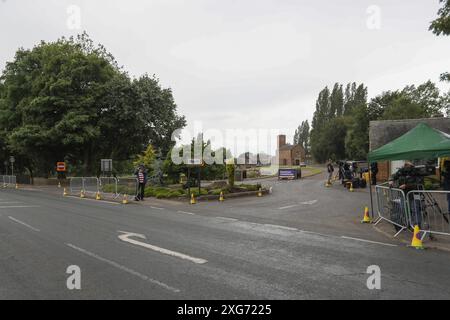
(69, 100)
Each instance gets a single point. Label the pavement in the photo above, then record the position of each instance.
(304, 241)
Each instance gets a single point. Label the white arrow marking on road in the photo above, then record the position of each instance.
(126, 238)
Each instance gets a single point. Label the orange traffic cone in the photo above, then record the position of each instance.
(221, 198)
(366, 218)
(417, 239)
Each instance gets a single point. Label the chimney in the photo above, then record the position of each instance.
(281, 141)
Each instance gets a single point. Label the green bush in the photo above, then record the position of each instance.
(195, 192)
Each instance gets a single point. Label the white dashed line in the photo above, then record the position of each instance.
(157, 208)
(12, 207)
(281, 227)
(24, 224)
(185, 212)
(123, 268)
(288, 207)
(227, 219)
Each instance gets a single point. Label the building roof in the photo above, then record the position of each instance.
(383, 132)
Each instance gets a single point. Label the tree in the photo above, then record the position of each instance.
(337, 101)
(441, 25)
(147, 158)
(69, 100)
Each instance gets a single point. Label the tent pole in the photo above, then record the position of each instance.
(370, 187)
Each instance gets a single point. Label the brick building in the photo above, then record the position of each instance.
(383, 132)
(288, 154)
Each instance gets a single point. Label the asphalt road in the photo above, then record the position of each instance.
(277, 247)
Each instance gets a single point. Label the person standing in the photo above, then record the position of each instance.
(330, 170)
(374, 172)
(141, 175)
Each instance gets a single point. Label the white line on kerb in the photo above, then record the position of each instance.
(123, 268)
(24, 224)
(369, 241)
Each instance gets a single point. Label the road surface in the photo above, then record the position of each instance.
(277, 247)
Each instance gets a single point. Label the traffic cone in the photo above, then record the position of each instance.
(125, 199)
(351, 187)
(260, 192)
(97, 196)
(221, 198)
(367, 218)
(82, 195)
(328, 184)
(59, 184)
(417, 240)
(65, 194)
(193, 201)
(17, 186)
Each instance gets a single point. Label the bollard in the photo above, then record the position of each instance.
(366, 218)
(125, 199)
(193, 201)
(97, 196)
(260, 192)
(417, 240)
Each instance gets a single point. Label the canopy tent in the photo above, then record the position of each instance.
(422, 142)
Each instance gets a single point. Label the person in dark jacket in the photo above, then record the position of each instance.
(374, 172)
(446, 182)
(142, 176)
(330, 170)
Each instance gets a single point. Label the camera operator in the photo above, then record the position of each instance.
(409, 179)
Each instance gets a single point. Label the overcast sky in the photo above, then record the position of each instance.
(248, 63)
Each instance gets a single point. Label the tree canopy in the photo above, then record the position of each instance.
(69, 101)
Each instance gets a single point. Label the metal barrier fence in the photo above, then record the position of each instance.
(392, 207)
(76, 185)
(8, 181)
(90, 185)
(430, 210)
(127, 186)
(108, 187)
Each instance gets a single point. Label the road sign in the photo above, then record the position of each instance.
(106, 165)
(61, 166)
(12, 159)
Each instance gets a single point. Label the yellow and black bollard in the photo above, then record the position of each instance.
(193, 201)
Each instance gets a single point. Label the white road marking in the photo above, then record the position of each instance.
(98, 201)
(310, 202)
(185, 212)
(6, 207)
(123, 268)
(24, 224)
(288, 207)
(157, 208)
(10, 202)
(281, 227)
(227, 219)
(126, 238)
(369, 241)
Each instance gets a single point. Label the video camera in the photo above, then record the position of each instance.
(424, 170)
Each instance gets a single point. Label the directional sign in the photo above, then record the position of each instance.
(61, 166)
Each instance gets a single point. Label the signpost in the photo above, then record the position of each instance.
(194, 163)
(12, 160)
(106, 166)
